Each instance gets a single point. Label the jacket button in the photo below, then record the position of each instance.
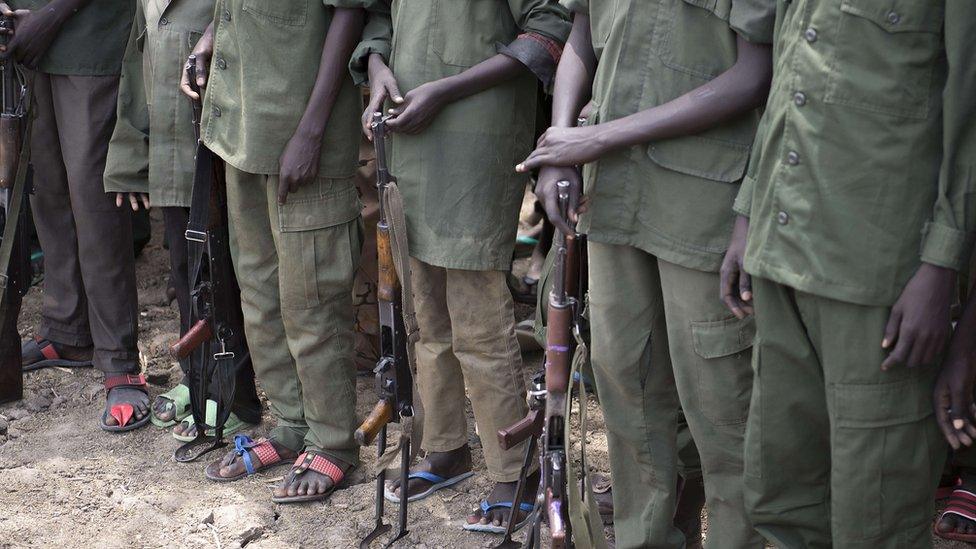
(216, 111)
(163, 22)
(221, 64)
(792, 158)
(782, 218)
(810, 34)
(894, 17)
(226, 15)
(800, 99)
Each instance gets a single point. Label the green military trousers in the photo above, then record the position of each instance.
(295, 264)
(659, 331)
(838, 453)
(467, 339)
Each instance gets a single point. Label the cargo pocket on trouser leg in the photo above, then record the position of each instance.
(725, 375)
(316, 262)
(883, 448)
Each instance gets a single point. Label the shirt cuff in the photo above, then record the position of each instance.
(359, 63)
(945, 246)
(743, 200)
(540, 54)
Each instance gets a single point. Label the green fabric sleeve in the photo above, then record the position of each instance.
(754, 20)
(377, 38)
(127, 163)
(949, 237)
(545, 17)
(578, 6)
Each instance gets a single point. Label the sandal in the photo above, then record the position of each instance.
(318, 462)
(37, 353)
(486, 508)
(179, 401)
(962, 503)
(123, 412)
(437, 482)
(233, 425)
(266, 453)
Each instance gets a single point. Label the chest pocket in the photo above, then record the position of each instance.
(464, 32)
(885, 56)
(693, 36)
(293, 13)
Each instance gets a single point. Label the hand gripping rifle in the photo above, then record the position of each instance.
(550, 394)
(214, 345)
(15, 184)
(394, 377)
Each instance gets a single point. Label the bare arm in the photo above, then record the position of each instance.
(36, 30)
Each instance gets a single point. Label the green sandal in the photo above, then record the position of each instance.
(179, 400)
(233, 425)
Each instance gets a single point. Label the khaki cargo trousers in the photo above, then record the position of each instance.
(467, 338)
(661, 337)
(295, 264)
(838, 453)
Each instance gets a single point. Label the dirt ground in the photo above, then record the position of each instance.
(65, 483)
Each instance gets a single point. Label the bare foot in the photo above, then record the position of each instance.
(443, 464)
(505, 491)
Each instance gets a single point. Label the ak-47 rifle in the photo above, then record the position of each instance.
(394, 378)
(15, 184)
(215, 344)
(550, 392)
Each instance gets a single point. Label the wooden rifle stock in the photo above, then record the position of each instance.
(194, 338)
(10, 136)
(381, 415)
(523, 429)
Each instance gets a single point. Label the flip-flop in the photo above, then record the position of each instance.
(437, 482)
(37, 353)
(233, 425)
(179, 400)
(123, 412)
(266, 453)
(486, 507)
(313, 460)
(962, 503)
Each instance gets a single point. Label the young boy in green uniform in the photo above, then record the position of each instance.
(470, 71)
(664, 152)
(74, 49)
(282, 111)
(854, 219)
(150, 160)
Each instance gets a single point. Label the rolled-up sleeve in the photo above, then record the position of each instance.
(377, 38)
(754, 20)
(127, 161)
(949, 236)
(545, 27)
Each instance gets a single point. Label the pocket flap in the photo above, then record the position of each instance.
(702, 157)
(721, 8)
(336, 203)
(723, 337)
(898, 15)
(881, 404)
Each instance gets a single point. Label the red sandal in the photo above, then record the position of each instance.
(962, 503)
(124, 412)
(312, 460)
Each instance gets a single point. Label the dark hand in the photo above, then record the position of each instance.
(546, 192)
(735, 284)
(382, 86)
(203, 52)
(919, 324)
(954, 407)
(299, 164)
(34, 32)
(565, 147)
(418, 110)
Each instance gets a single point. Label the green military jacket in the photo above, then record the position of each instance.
(865, 162)
(91, 42)
(154, 62)
(266, 58)
(460, 189)
(669, 198)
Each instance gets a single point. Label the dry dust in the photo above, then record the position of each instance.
(65, 483)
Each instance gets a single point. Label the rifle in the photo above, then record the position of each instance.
(550, 394)
(15, 184)
(394, 378)
(215, 344)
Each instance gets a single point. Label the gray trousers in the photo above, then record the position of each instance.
(90, 294)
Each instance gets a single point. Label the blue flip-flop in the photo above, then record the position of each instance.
(437, 482)
(486, 508)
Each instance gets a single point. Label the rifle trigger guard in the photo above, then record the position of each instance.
(195, 236)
